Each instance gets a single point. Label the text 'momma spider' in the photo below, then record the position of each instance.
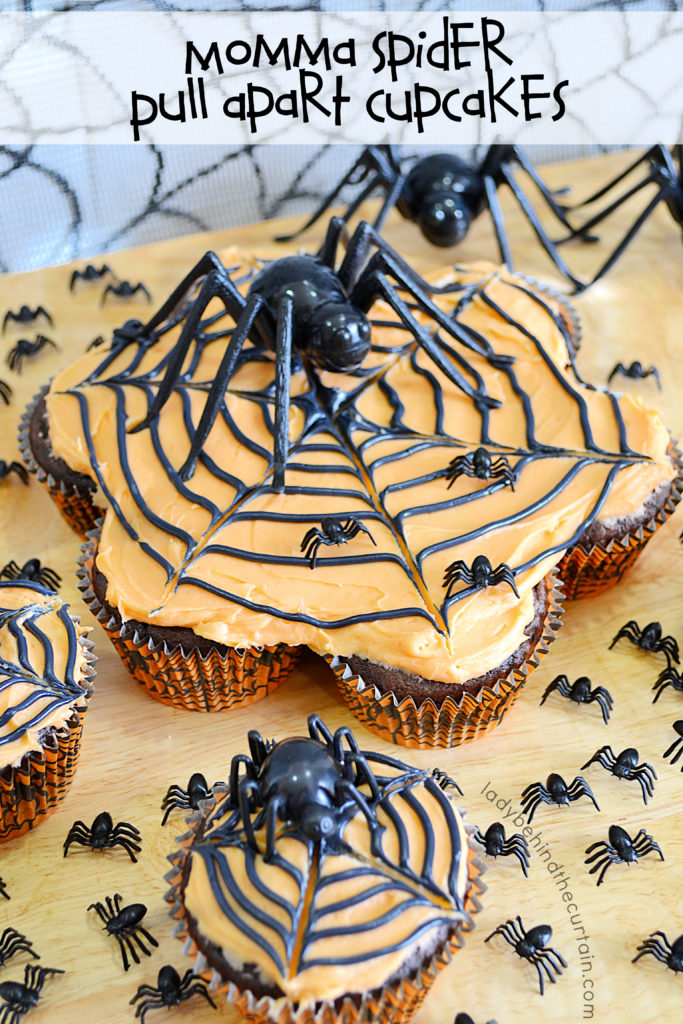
(332, 530)
(170, 991)
(620, 848)
(533, 946)
(580, 692)
(625, 766)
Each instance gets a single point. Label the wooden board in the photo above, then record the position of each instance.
(133, 747)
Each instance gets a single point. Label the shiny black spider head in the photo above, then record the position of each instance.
(304, 775)
(443, 194)
(535, 939)
(620, 840)
(557, 788)
(581, 689)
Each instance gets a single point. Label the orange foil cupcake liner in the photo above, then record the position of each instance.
(33, 788)
(585, 573)
(75, 504)
(187, 679)
(389, 1004)
(453, 721)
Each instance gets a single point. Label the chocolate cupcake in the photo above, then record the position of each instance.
(327, 884)
(46, 671)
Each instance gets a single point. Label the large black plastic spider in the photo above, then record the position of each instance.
(13, 467)
(26, 315)
(636, 371)
(669, 677)
(103, 834)
(124, 924)
(496, 845)
(25, 349)
(13, 942)
(663, 173)
(443, 194)
(555, 791)
(580, 692)
(481, 575)
(19, 997)
(33, 571)
(125, 290)
(89, 274)
(5, 392)
(479, 464)
(657, 945)
(676, 747)
(625, 766)
(331, 531)
(619, 848)
(649, 639)
(187, 799)
(303, 304)
(533, 946)
(170, 991)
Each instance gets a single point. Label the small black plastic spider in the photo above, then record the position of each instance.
(20, 997)
(332, 531)
(625, 766)
(657, 945)
(496, 845)
(124, 924)
(649, 639)
(103, 835)
(555, 791)
(13, 467)
(580, 692)
(170, 991)
(33, 571)
(480, 465)
(90, 273)
(443, 194)
(669, 677)
(13, 942)
(5, 392)
(25, 348)
(533, 946)
(678, 743)
(481, 575)
(125, 290)
(619, 848)
(636, 371)
(464, 1018)
(26, 315)
(302, 304)
(3, 889)
(190, 798)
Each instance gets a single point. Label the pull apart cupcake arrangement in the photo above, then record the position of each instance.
(340, 612)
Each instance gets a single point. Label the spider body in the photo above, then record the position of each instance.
(669, 677)
(657, 945)
(303, 304)
(5, 392)
(649, 639)
(332, 531)
(13, 942)
(13, 467)
(170, 991)
(676, 747)
(89, 274)
(479, 464)
(443, 194)
(533, 946)
(555, 791)
(636, 371)
(33, 571)
(124, 924)
(620, 848)
(103, 834)
(26, 349)
(625, 766)
(26, 315)
(125, 290)
(496, 845)
(20, 997)
(480, 575)
(176, 797)
(580, 692)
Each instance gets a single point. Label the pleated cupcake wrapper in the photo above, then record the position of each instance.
(452, 722)
(32, 789)
(183, 678)
(585, 573)
(75, 504)
(388, 1004)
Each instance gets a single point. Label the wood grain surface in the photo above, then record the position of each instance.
(134, 747)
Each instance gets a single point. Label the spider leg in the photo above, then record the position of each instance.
(605, 705)
(20, 470)
(348, 790)
(644, 843)
(365, 774)
(140, 287)
(317, 730)
(532, 805)
(578, 788)
(246, 788)
(258, 749)
(604, 756)
(273, 810)
(654, 372)
(150, 938)
(645, 780)
(676, 743)
(238, 760)
(654, 948)
(124, 956)
(130, 847)
(619, 368)
(5, 391)
(526, 165)
(283, 367)
(343, 733)
(537, 962)
(172, 805)
(521, 853)
(311, 552)
(602, 865)
(148, 1004)
(101, 913)
(197, 990)
(630, 630)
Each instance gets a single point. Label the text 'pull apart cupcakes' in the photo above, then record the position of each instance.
(409, 533)
(327, 884)
(46, 669)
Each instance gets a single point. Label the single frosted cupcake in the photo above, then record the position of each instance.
(46, 672)
(328, 884)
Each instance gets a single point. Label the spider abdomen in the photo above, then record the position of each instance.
(304, 776)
